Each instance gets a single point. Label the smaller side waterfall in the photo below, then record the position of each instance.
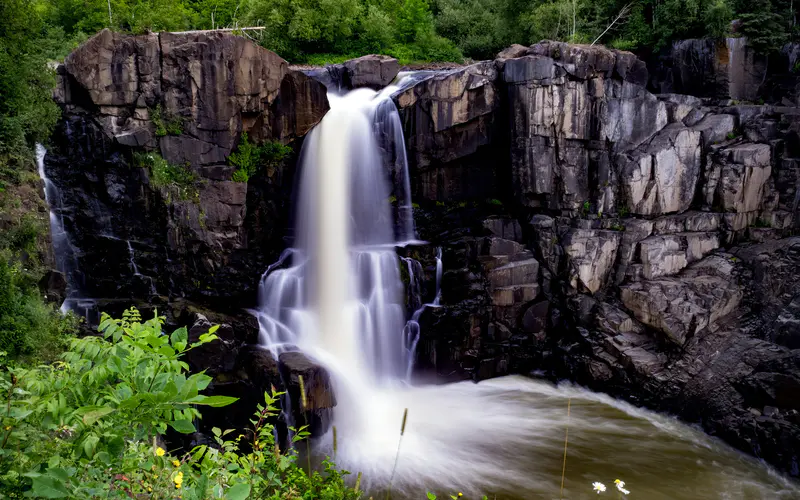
(64, 253)
(412, 328)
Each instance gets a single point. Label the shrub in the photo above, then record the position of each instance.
(28, 326)
(165, 124)
(249, 159)
(102, 408)
(166, 175)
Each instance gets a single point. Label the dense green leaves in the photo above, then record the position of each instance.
(88, 426)
(250, 159)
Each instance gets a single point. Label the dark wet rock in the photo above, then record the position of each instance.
(314, 408)
(54, 286)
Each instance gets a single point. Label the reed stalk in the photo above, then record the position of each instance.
(335, 443)
(566, 442)
(303, 406)
(397, 456)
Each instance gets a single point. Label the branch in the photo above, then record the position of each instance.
(622, 14)
(252, 28)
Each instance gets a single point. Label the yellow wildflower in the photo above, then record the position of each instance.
(460, 494)
(160, 451)
(176, 463)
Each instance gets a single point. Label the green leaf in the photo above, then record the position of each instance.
(179, 335)
(202, 380)
(90, 417)
(50, 487)
(213, 401)
(238, 492)
(58, 474)
(431, 496)
(90, 444)
(183, 426)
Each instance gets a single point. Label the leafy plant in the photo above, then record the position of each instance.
(250, 159)
(165, 125)
(166, 175)
(89, 426)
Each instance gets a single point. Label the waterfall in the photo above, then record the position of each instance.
(63, 252)
(337, 295)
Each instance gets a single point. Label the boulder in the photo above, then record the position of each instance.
(715, 128)
(372, 71)
(591, 255)
(314, 409)
(54, 286)
(736, 178)
(660, 176)
(682, 306)
(669, 254)
(215, 357)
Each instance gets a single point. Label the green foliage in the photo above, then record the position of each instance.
(28, 327)
(27, 112)
(298, 29)
(88, 426)
(165, 175)
(165, 125)
(766, 23)
(250, 159)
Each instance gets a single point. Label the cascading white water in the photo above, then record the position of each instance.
(63, 251)
(340, 301)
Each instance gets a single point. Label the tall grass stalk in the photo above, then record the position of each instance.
(566, 442)
(304, 406)
(335, 443)
(397, 456)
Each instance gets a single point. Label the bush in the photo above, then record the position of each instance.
(102, 409)
(250, 159)
(29, 327)
(165, 125)
(165, 175)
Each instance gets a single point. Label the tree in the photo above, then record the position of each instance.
(27, 112)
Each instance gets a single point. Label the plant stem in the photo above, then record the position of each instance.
(566, 441)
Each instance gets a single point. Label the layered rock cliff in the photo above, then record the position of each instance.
(643, 246)
(130, 100)
(638, 243)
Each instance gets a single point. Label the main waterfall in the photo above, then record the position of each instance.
(337, 296)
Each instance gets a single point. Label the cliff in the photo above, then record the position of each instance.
(638, 243)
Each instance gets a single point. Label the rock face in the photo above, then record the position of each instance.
(373, 71)
(450, 122)
(728, 69)
(628, 247)
(186, 98)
